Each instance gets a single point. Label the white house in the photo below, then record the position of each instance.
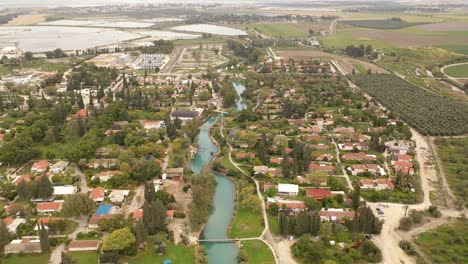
(59, 167)
(153, 124)
(64, 190)
(118, 196)
(288, 189)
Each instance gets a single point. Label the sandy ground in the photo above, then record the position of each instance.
(29, 19)
(106, 60)
(345, 62)
(284, 251)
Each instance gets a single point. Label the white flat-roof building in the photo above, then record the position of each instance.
(288, 189)
(118, 196)
(64, 190)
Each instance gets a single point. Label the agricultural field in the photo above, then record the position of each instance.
(280, 29)
(454, 155)
(457, 71)
(379, 23)
(199, 58)
(429, 113)
(446, 244)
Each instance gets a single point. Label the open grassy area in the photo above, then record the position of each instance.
(258, 252)
(84, 257)
(273, 223)
(22, 259)
(279, 29)
(177, 253)
(210, 40)
(453, 153)
(458, 71)
(446, 244)
(462, 49)
(246, 224)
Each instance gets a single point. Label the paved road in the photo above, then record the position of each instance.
(56, 255)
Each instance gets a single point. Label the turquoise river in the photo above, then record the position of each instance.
(225, 195)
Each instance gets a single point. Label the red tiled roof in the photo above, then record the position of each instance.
(321, 167)
(48, 206)
(292, 205)
(318, 194)
(138, 214)
(8, 220)
(403, 164)
(94, 220)
(337, 214)
(40, 165)
(83, 113)
(404, 157)
(98, 193)
(25, 177)
(170, 213)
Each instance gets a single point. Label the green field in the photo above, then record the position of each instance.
(462, 49)
(280, 29)
(17, 259)
(84, 257)
(453, 153)
(246, 224)
(379, 23)
(258, 252)
(446, 244)
(458, 71)
(342, 39)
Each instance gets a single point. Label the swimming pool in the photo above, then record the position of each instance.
(104, 209)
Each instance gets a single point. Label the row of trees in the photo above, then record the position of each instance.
(203, 188)
(429, 113)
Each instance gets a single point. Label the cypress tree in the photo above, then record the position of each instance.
(2, 106)
(44, 239)
(4, 237)
(44, 188)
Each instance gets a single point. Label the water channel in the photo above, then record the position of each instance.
(224, 199)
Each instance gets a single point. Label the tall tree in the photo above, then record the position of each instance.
(44, 188)
(285, 166)
(4, 237)
(44, 239)
(356, 195)
(78, 204)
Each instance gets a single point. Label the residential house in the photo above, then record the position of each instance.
(64, 190)
(118, 196)
(405, 167)
(268, 185)
(244, 155)
(98, 194)
(343, 130)
(46, 221)
(319, 146)
(84, 245)
(260, 170)
(18, 179)
(288, 189)
(94, 220)
(290, 207)
(375, 169)
(360, 156)
(40, 167)
(13, 223)
(321, 167)
(318, 194)
(115, 128)
(59, 167)
(49, 207)
(185, 115)
(335, 215)
(175, 174)
(153, 124)
(349, 146)
(377, 184)
(137, 214)
(25, 245)
(313, 129)
(324, 157)
(103, 164)
(106, 175)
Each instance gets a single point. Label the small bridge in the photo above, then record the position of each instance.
(227, 240)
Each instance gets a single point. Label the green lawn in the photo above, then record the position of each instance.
(84, 257)
(178, 253)
(279, 29)
(445, 244)
(360, 68)
(26, 259)
(258, 252)
(246, 224)
(458, 71)
(210, 40)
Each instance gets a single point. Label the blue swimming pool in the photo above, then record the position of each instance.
(104, 209)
